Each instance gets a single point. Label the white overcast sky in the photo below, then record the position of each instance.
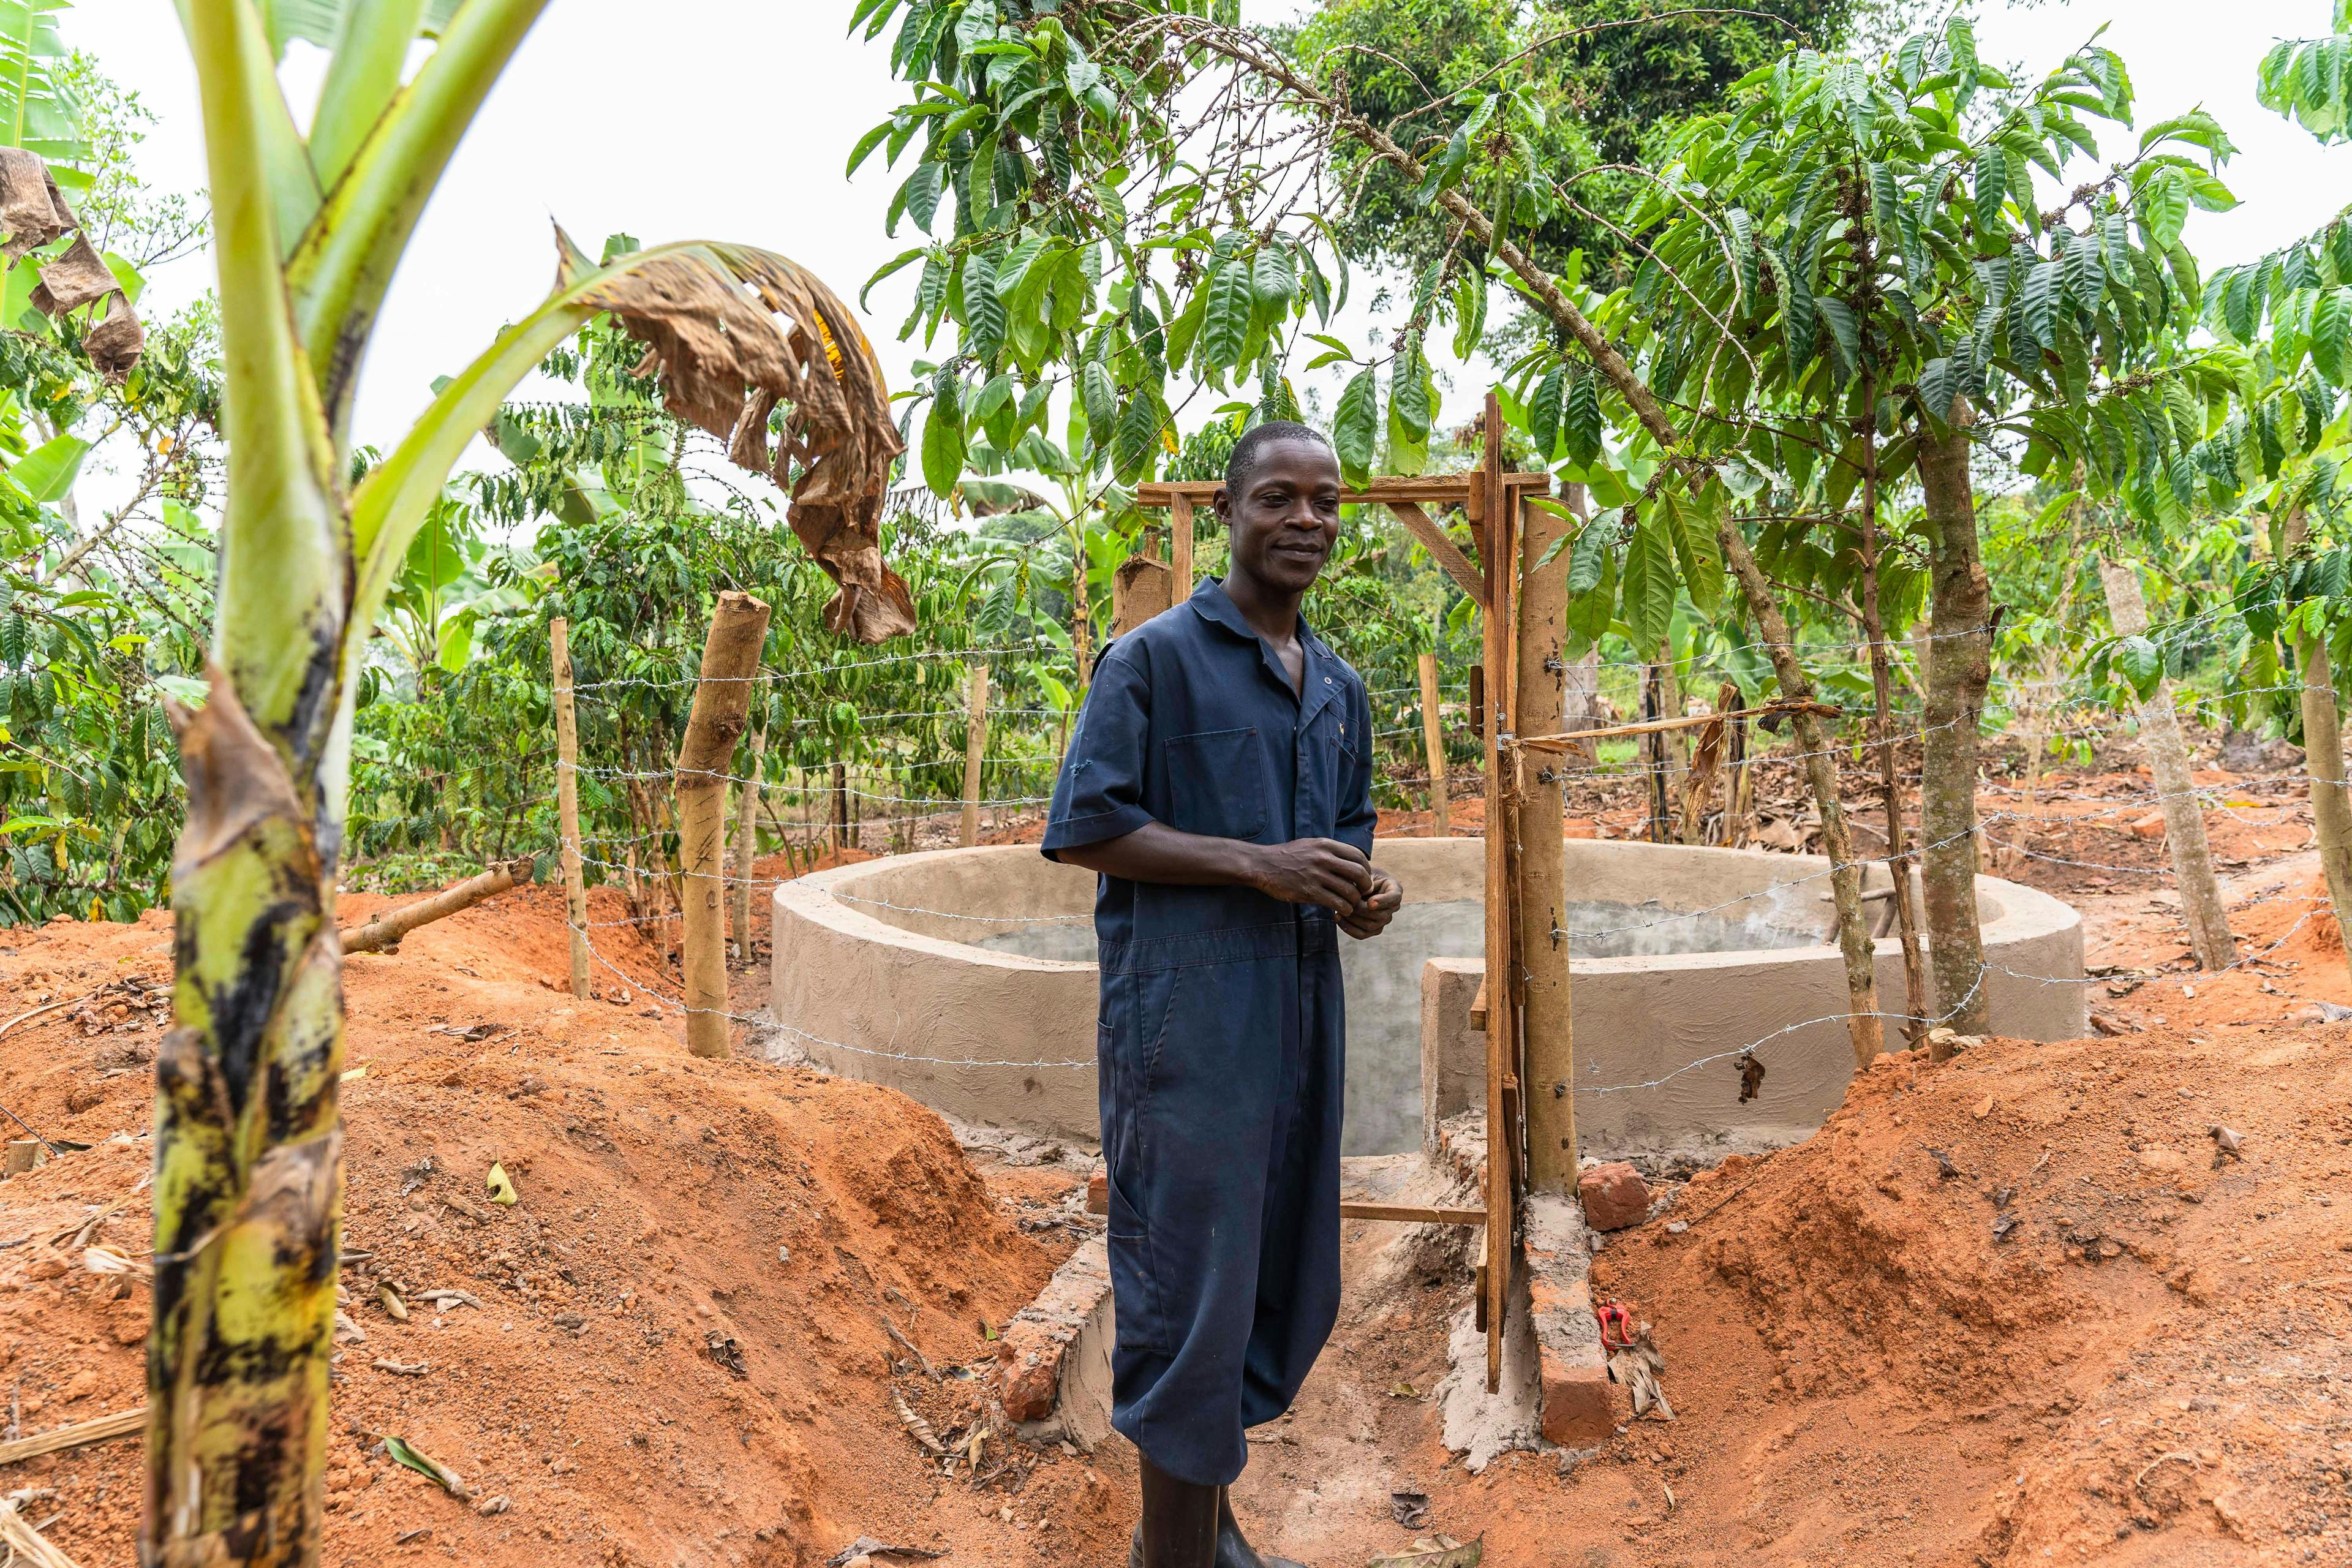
(733, 119)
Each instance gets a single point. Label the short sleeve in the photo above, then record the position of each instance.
(1357, 816)
(1099, 795)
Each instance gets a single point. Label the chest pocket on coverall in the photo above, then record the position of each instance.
(1216, 783)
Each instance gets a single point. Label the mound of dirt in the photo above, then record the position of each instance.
(2019, 1308)
(677, 1347)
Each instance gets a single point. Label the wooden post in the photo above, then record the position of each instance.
(1433, 737)
(1179, 545)
(746, 844)
(975, 752)
(840, 807)
(722, 706)
(1488, 505)
(567, 802)
(383, 933)
(1543, 859)
(2167, 762)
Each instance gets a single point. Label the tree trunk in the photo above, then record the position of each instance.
(1864, 1033)
(722, 706)
(1959, 668)
(2167, 764)
(247, 1169)
(2323, 751)
(1580, 704)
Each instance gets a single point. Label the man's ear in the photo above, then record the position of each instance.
(1222, 503)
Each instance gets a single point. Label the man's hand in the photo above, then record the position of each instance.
(1371, 917)
(1314, 871)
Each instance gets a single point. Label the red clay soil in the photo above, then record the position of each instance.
(668, 1207)
(2146, 1365)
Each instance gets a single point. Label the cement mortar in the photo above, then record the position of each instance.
(965, 978)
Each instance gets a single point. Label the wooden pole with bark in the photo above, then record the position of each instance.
(385, 930)
(567, 803)
(1855, 945)
(1919, 995)
(722, 705)
(2168, 763)
(1433, 740)
(1959, 668)
(2322, 753)
(746, 844)
(975, 753)
(1547, 1014)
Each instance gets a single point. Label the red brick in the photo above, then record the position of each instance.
(1614, 1196)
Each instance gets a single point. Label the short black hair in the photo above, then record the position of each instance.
(1250, 450)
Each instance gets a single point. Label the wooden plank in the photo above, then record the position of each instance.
(1179, 546)
(1497, 635)
(1442, 550)
(1430, 489)
(122, 1424)
(1478, 1006)
(1099, 1202)
(1412, 1213)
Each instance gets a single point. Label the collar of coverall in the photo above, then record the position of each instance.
(1212, 603)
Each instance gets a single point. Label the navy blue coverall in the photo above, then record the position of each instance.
(1221, 1041)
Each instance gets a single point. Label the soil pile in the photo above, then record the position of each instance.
(672, 1349)
(2022, 1307)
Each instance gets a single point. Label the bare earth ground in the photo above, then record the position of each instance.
(2017, 1309)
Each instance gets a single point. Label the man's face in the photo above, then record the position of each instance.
(1286, 518)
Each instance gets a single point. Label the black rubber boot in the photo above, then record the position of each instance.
(1179, 1527)
(1232, 1551)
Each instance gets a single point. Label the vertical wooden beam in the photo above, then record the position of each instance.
(1179, 545)
(722, 706)
(1497, 635)
(975, 752)
(1432, 738)
(567, 802)
(1543, 857)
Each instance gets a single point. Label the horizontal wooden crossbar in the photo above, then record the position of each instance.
(1099, 1202)
(1656, 726)
(1437, 489)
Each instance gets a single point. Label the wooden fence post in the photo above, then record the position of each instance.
(1542, 866)
(722, 706)
(1433, 738)
(2168, 763)
(975, 753)
(567, 802)
(747, 842)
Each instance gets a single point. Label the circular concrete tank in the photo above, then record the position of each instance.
(965, 977)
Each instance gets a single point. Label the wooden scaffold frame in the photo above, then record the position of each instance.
(1495, 504)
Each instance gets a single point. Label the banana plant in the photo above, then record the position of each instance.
(309, 228)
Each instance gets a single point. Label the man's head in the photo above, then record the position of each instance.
(1280, 504)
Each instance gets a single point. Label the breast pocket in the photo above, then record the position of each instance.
(1216, 783)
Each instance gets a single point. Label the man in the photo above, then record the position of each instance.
(1220, 781)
